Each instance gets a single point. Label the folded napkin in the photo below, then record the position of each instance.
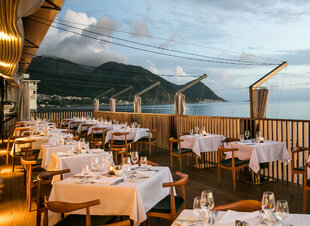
(145, 173)
(95, 151)
(105, 180)
(60, 154)
(231, 216)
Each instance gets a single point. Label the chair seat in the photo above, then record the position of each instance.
(238, 162)
(146, 139)
(76, 220)
(121, 142)
(183, 151)
(97, 135)
(299, 168)
(19, 154)
(164, 205)
(35, 151)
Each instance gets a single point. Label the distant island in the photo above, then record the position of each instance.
(64, 83)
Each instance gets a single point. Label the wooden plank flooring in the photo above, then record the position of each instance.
(13, 208)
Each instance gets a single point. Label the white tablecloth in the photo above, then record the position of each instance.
(199, 143)
(268, 151)
(134, 134)
(108, 127)
(74, 122)
(74, 163)
(131, 199)
(227, 218)
(81, 127)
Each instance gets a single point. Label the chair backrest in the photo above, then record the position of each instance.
(295, 152)
(98, 130)
(180, 183)
(228, 140)
(119, 134)
(175, 141)
(85, 125)
(222, 150)
(46, 178)
(27, 163)
(66, 207)
(241, 206)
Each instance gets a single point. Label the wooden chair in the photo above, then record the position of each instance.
(31, 178)
(228, 140)
(149, 140)
(178, 152)
(24, 151)
(9, 145)
(77, 219)
(233, 164)
(296, 169)
(170, 206)
(64, 123)
(119, 147)
(306, 187)
(84, 129)
(97, 138)
(240, 206)
(43, 179)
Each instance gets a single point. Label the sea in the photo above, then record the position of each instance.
(298, 109)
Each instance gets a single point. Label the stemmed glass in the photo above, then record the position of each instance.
(247, 134)
(207, 203)
(143, 161)
(196, 129)
(268, 203)
(134, 157)
(191, 132)
(85, 170)
(126, 167)
(257, 134)
(282, 209)
(197, 207)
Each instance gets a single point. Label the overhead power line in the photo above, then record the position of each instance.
(158, 38)
(150, 51)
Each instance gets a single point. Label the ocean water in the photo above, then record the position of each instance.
(299, 109)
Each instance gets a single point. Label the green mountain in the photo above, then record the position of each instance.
(65, 78)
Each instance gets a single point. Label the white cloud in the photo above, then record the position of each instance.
(219, 79)
(151, 67)
(178, 71)
(81, 49)
(140, 28)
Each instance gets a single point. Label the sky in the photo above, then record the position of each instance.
(267, 32)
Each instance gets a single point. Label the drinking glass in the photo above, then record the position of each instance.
(268, 203)
(196, 129)
(134, 157)
(241, 138)
(143, 161)
(282, 209)
(196, 207)
(85, 170)
(126, 161)
(258, 134)
(191, 132)
(207, 201)
(247, 134)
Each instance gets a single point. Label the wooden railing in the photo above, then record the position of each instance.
(292, 132)
(52, 116)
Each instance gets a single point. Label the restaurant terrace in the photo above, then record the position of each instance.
(92, 167)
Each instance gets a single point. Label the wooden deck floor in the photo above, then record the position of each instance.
(13, 210)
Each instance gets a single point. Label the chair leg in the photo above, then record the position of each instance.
(155, 147)
(293, 177)
(150, 148)
(13, 164)
(233, 172)
(149, 221)
(219, 175)
(38, 218)
(7, 159)
(304, 202)
(180, 163)
(171, 161)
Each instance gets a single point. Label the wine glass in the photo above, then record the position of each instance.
(134, 157)
(242, 138)
(191, 132)
(196, 207)
(85, 170)
(143, 161)
(268, 203)
(126, 161)
(196, 129)
(247, 134)
(207, 200)
(282, 209)
(257, 134)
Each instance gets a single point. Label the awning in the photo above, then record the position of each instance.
(20, 37)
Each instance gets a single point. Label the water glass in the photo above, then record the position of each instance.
(85, 170)
(247, 134)
(241, 138)
(134, 157)
(196, 207)
(268, 203)
(207, 200)
(191, 132)
(257, 134)
(126, 172)
(196, 129)
(127, 161)
(143, 161)
(282, 209)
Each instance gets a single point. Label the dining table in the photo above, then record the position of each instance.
(133, 198)
(268, 151)
(134, 134)
(228, 218)
(201, 143)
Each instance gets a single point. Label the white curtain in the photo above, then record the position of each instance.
(23, 102)
(179, 104)
(112, 105)
(96, 104)
(137, 104)
(260, 102)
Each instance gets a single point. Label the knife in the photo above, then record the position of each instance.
(118, 182)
